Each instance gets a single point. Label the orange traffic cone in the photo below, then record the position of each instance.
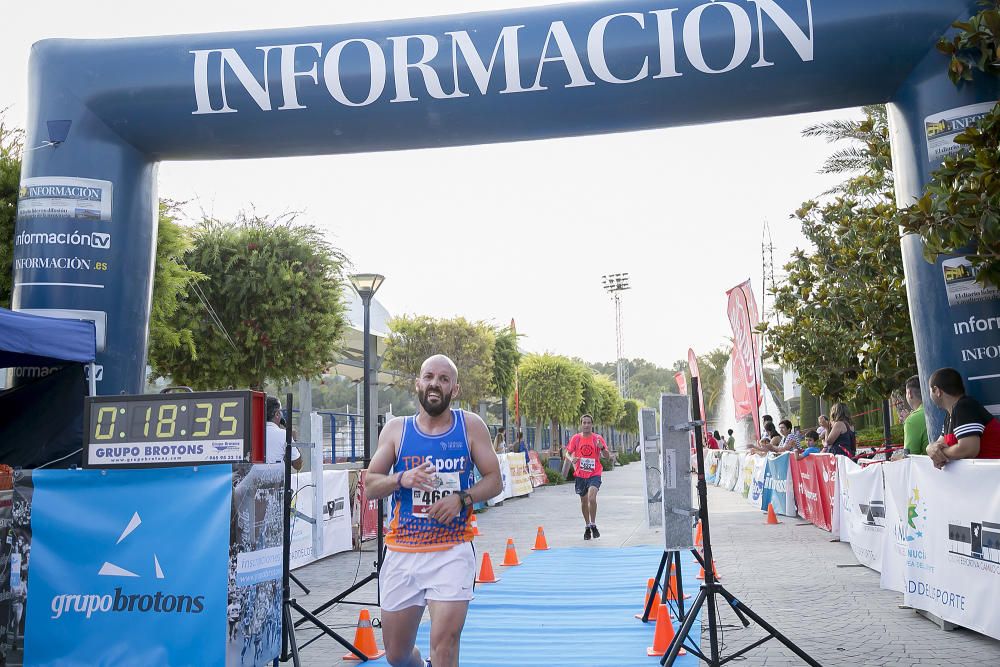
(474, 525)
(772, 519)
(672, 587)
(701, 572)
(540, 543)
(510, 555)
(486, 575)
(653, 613)
(364, 639)
(663, 635)
(697, 536)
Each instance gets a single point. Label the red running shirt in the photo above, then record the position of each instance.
(587, 450)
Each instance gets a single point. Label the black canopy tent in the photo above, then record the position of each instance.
(41, 419)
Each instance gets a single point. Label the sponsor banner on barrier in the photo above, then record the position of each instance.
(507, 489)
(809, 493)
(756, 490)
(520, 481)
(953, 538)
(866, 499)
(536, 470)
(746, 475)
(895, 538)
(778, 489)
(114, 562)
(336, 534)
(729, 470)
(712, 457)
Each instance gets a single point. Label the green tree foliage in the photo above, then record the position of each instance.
(846, 327)
(171, 287)
(270, 306)
(712, 373)
(629, 421)
(646, 380)
(612, 405)
(11, 147)
(551, 389)
(959, 212)
(506, 357)
(469, 344)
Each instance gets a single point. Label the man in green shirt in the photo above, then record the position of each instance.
(915, 426)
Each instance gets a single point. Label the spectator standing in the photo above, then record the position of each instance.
(730, 441)
(915, 426)
(841, 439)
(970, 432)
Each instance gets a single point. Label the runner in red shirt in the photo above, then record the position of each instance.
(584, 452)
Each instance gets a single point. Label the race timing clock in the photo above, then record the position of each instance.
(156, 430)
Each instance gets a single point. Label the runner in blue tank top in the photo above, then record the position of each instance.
(429, 559)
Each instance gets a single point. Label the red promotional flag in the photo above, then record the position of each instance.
(748, 392)
(681, 382)
(693, 367)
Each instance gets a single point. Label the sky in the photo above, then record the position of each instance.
(519, 230)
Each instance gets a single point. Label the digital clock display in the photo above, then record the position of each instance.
(170, 429)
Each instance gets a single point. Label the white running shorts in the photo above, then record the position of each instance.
(410, 578)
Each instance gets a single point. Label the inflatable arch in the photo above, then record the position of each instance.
(104, 113)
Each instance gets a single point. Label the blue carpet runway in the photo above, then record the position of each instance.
(566, 607)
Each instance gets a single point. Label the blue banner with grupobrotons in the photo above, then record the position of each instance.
(129, 567)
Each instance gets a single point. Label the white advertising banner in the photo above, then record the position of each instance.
(866, 500)
(840, 521)
(746, 475)
(508, 484)
(896, 479)
(756, 489)
(520, 480)
(712, 457)
(335, 533)
(953, 538)
(729, 470)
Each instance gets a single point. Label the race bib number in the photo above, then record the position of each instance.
(445, 484)
(588, 465)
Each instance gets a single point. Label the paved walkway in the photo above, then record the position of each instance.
(791, 574)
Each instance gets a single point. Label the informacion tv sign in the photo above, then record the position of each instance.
(173, 429)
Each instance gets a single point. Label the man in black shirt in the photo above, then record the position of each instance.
(970, 431)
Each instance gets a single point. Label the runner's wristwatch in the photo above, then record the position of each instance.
(466, 499)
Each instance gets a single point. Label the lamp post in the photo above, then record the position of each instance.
(366, 284)
(615, 284)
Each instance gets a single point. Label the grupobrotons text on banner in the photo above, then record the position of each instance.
(953, 542)
(119, 570)
(747, 385)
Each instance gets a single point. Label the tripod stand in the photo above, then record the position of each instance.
(289, 647)
(712, 587)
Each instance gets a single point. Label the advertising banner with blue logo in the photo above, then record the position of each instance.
(756, 488)
(129, 567)
(712, 458)
(778, 489)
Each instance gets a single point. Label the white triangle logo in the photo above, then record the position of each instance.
(112, 570)
(132, 525)
(156, 564)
